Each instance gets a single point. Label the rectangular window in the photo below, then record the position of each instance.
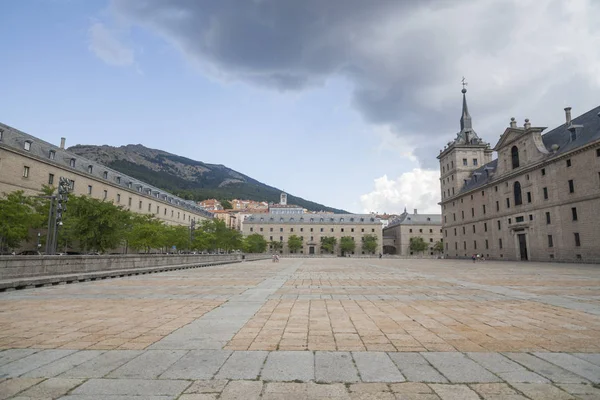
(500, 243)
(446, 233)
(25, 172)
(291, 229)
(486, 244)
(158, 209)
(484, 209)
(445, 219)
(571, 186)
(271, 230)
(251, 229)
(301, 229)
(569, 162)
(507, 202)
(509, 221)
(420, 230)
(497, 206)
(322, 230)
(105, 194)
(463, 214)
(550, 242)
(548, 221)
(577, 240)
(52, 155)
(270, 237)
(105, 175)
(281, 238)
(129, 201)
(149, 207)
(118, 198)
(475, 244)
(520, 219)
(499, 225)
(27, 145)
(464, 231)
(351, 230)
(474, 161)
(485, 226)
(529, 197)
(455, 245)
(472, 212)
(454, 215)
(543, 171)
(140, 205)
(465, 245)
(50, 179)
(90, 169)
(574, 213)
(473, 228)
(465, 161)
(597, 151)
(89, 189)
(545, 193)
(118, 179)
(1, 132)
(454, 231)
(280, 229)
(72, 163)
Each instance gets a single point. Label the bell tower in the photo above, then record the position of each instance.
(460, 157)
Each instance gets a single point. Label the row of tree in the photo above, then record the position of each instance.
(90, 224)
(418, 245)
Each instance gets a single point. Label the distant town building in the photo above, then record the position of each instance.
(538, 200)
(399, 231)
(211, 204)
(27, 163)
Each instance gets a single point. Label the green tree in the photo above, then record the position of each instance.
(418, 245)
(439, 246)
(255, 243)
(177, 235)
(94, 224)
(294, 243)
(369, 244)
(17, 215)
(275, 245)
(328, 244)
(347, 244)
(226, 204)
(146, 233)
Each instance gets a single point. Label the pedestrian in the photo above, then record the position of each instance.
(380, 255)
(474, 258)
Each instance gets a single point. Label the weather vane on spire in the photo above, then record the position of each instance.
(464, 84)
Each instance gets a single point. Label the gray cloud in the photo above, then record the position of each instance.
(405, 58)
(105, 44)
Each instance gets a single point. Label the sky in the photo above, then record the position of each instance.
(342, 102)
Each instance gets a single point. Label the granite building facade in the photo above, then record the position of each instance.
(538, 200)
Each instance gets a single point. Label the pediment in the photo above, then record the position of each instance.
(509, 136)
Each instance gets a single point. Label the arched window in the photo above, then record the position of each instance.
(514, 152)
(518, 197)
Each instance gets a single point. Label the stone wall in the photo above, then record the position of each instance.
(12, 267)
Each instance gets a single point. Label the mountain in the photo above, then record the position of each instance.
(189, 179)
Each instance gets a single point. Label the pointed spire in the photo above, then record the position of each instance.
(465, 119)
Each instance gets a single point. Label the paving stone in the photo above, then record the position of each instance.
(571, 363)
(410, 387)
(454, 392)
(376, 367)
(243, 365)
(459, 369)
(335, 367)
(242, 390)
(580, 389)
(373, 396)
(506, 369)
(369, 387)
(416, 368)
(131, 387)
(303, 391)
(546, 369)
(197, 364)
(589, 357)
(10, 355)
(26, 364)
(52, 388)
(201, 396)
(541, 391)
(101, 365)
(10, 387)
(148, 365)
(289, 366)
(64, 364)
(114, 397)
(207, 386)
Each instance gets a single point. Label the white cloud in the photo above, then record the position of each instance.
(418, 189)
(107, 46)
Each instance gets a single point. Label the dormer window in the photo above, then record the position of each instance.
(105, 174)
(1, 134)
(341, 219)
(129, 185)
(52, 155)
(90, 169)
(27, 145)
(118, 179)
(72, 163)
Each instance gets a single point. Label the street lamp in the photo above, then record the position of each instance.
(39, 244)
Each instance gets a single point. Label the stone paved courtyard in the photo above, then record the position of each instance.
(340, 328)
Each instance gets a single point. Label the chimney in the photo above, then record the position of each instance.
(62, 142)
(415, 211)
(527, 124)
(568, 115)
(513, 123)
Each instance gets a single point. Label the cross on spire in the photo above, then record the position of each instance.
(464, 83)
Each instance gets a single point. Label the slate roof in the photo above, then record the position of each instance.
(587, 127)
(15, 140)
(416, 219)
(343, 219)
